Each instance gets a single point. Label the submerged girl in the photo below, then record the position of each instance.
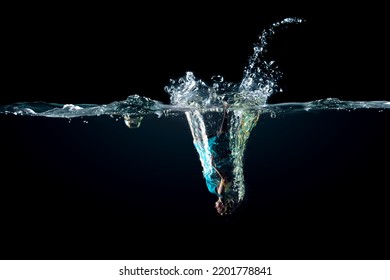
(221, 145)
(221, 153)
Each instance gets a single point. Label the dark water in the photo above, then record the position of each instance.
(91, 188)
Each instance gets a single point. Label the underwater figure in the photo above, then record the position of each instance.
(221, 153)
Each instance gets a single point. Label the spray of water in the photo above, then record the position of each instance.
(260, 80)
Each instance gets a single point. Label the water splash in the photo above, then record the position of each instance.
(260, 80)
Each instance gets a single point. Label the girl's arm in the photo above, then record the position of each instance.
(221, 185)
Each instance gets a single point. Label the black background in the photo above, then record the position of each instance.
(102, 53)
(99, 54)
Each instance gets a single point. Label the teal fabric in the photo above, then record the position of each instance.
(216, 152)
